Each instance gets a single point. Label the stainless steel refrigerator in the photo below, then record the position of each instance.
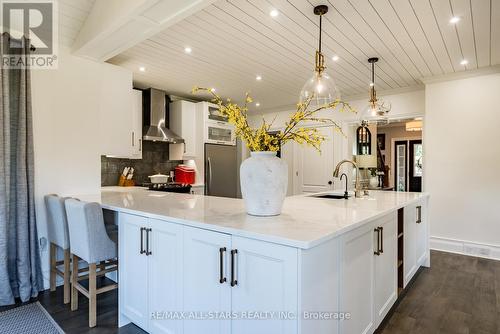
(221, 170)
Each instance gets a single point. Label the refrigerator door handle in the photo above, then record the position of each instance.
(209, 182)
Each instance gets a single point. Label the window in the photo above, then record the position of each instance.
(363, 140)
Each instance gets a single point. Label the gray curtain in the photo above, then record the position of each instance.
(20, 270)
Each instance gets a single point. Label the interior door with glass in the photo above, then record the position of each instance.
(401, 161)
(415, 166)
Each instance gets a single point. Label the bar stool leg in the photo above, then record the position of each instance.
(67, 273)
(74, 282)
(92, 295)
(53, 260)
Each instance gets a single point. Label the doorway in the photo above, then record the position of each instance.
(408, 165)
(400, 147)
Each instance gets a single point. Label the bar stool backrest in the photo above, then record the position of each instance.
(57, 223)
(87, 233)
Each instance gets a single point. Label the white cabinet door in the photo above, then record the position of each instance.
(409, 231)
(386, 281)
(116, 112)
(313, 170)
(357, 280)
(137, 124)
(165, 275)
(183, 118)
(421, 234)
(265, 280)
(206, 281)
(133, 269)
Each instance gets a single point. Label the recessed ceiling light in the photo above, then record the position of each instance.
(258, 78)
(454, 19)
(464, 62)
(187, 49)
(274, 13)
(335, 58)
(257, 104)
(142, 69)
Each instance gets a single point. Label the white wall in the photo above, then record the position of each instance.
(462, 159)
(66, 132)
(404, 105)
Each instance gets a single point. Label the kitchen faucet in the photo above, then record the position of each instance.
(357, 186)
(346, 194)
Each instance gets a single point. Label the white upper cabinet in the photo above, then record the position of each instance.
(183, 120)
(137, 124)
(120, 121)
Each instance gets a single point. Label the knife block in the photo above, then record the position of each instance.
(121, 180)
(129, 183)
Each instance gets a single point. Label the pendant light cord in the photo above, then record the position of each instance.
(320, 27)
(373, 74)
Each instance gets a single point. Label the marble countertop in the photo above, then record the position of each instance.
(304, 223)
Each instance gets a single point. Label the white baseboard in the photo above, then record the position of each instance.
(465, 248)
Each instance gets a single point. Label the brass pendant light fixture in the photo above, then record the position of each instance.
(377, 110)
(321, 87)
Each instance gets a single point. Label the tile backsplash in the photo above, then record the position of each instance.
(154, 160)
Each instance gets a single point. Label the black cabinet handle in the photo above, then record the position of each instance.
(142, 240)
(377, 230)
(148, 252)
(233, 280)
(222, 279)
(419, 214)
(381, 239)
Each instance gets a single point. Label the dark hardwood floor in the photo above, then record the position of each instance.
(77, 322)
(458, 294)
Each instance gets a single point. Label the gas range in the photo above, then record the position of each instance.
(170, 187)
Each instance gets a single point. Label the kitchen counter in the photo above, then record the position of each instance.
(191, 253)
(304, 223)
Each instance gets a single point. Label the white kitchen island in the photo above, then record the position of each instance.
(199, 264)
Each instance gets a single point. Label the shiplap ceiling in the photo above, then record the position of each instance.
(233, 41)
(72, 15)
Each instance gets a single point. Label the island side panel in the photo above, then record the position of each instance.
(427, 225)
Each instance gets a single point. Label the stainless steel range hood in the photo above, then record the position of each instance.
(156, 129)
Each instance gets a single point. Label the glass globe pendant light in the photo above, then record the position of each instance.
(377, 110)
(320, 88)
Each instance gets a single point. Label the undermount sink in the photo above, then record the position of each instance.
(330, 196)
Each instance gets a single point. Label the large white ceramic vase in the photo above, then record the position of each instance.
(264, 181)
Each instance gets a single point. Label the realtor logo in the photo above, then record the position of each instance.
(35, 20)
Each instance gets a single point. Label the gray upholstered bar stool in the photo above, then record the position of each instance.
(90, 242)
(57, 227)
